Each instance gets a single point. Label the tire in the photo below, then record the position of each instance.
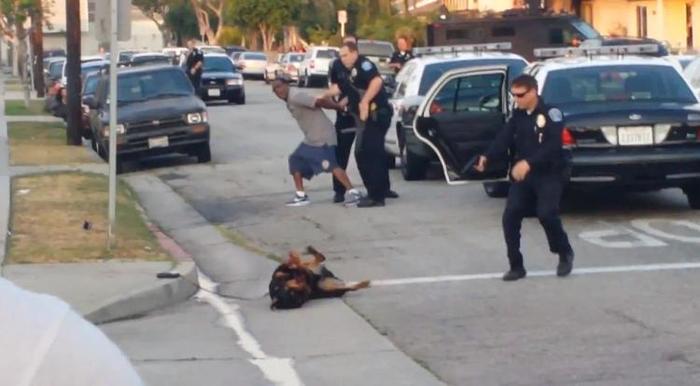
(203, 153)
(240, 100)
(413, 166)
(497, 189)
(693, 196)
(390, 161)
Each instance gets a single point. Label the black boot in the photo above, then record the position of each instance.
(566, 263)
(514, 274)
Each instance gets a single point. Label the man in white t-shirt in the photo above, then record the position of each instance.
(43, 342)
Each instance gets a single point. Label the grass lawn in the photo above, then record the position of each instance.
(48, 213)
(39, 143)
(17, 107)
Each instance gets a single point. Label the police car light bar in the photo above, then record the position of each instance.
(544, 53)
(503, 46)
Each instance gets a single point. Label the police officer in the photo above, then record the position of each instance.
(403, 54)
(537, 174)
(194, 65)
(369, 103)
(344, 124)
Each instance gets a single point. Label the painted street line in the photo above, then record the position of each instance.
(576, 272)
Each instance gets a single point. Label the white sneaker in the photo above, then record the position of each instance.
(299, 200)
(352, 197)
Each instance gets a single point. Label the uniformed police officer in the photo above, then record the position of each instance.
(194, 65)
(368, 101)
(403, 54)
(537, 174)
(344, 124)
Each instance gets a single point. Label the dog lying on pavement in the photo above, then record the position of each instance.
(296, 281)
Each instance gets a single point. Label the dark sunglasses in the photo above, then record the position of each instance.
(520, 95)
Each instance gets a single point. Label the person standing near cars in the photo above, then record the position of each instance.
(194, 65)
(537, 175)
(403, 54)
(369, 104)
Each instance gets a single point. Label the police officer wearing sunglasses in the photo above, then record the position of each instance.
(533, 134)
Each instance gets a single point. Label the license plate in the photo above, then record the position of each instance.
(635, 136)
(158, 142)
(214, 92)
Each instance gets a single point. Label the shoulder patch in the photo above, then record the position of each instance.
(555, 115)
(366, 65)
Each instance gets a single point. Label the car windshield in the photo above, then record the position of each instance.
(218, 64)
(90, 85)
(296, 58)
(621, 83)
(254, 57)
(432, 72)
(382, 50)
(153, 84)
(56, 69)
(327, 54)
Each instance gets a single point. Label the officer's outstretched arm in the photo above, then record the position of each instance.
(333, 91)
(503, 141)
(551, 146)
(374, 87)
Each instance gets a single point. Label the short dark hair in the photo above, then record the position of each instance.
(350, 37)
(527, 81)
(350, 46)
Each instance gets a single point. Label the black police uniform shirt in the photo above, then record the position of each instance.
(534, 137)
(337, 75)
(401, 57)
(361, 75)
(195, 56)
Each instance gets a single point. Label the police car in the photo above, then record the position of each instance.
(631, 122)
(413, 82)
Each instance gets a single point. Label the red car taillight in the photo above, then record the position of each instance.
(566, 138)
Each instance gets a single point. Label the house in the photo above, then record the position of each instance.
(144, 32)
(421, 7)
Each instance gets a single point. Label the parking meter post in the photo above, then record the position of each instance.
(113, 57)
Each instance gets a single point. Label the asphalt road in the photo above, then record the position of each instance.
(627, 316)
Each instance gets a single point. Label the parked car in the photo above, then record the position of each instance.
(630, 123)
(692, 74)
(231, 49)
(148, 58)
(55, 52)
(289, 66)
(175, 54)
(158, 113)
(90, 81)
(53, 70)
(379, 52)
(413, 82)
(211, 49)
(86, 63)
(252, 64)
(221, 80)
(272, 68)
(125, 55)
(314, 68)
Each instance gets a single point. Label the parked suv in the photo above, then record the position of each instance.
(314, 67)
(158, 112)
(630, 123)
(379, 52)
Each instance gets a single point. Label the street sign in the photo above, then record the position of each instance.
(103, 20)
(342, 16)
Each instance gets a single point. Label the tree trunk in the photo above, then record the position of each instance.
(38, 49)
(74, 121)
(263, 33)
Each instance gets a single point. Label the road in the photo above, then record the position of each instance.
(627, 315)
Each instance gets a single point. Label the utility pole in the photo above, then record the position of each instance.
(73, 72)
(38, 48)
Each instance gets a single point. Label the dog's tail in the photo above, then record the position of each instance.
(318, 255)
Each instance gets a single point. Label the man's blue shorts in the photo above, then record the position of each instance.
(312, 160)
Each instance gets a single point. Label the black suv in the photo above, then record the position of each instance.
(157, 112)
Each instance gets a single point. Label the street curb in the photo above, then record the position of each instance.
(147, 299)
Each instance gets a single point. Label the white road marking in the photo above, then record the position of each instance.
(576, 272)
(645, 226)
(603, 238)
(280, 371)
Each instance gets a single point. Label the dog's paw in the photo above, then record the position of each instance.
(361, 285)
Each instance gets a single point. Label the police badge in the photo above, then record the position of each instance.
(541, 121)
(353, 73)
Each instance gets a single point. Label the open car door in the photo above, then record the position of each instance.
(460, 117)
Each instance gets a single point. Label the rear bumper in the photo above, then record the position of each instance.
(180, 140)
(643, 170)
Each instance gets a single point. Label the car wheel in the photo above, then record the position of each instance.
(240, 100)
(390, 161)
(413, 166)
(102, 152)
(497, 189)
(203, 153)
(693, 195)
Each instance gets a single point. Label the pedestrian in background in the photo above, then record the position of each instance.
(403, 53)
(537, 175)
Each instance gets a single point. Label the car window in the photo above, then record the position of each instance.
(296, 58)
(147, 85)
(56, 69)
(469, 93)
(218, 64)
(90, 85)
(561, 35)
(255, 57)
(327, 54)
(402, 79)
(585, 29)
(434, 71)
(616, 84)
(383, 50)
(692, 73)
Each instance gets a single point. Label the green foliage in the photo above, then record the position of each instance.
(389, 27)
(231, 36)
(271, 13)
(181, 21)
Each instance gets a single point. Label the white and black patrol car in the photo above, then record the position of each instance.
(631, 122)
(414, 81)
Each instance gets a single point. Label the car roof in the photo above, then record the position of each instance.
(597, 61)
(147, 68)
(142, 54)
(216, 55)
(443, 58)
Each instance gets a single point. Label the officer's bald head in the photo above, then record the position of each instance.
(348, 54)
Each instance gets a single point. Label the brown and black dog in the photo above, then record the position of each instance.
(297, 281)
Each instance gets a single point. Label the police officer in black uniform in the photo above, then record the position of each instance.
(533, 133)
(194, 66)
(344, 123)
(402, 55)
(369, 104)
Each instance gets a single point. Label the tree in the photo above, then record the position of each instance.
(181, 21)
(157, 10)
(267, 16)
(209, 26)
